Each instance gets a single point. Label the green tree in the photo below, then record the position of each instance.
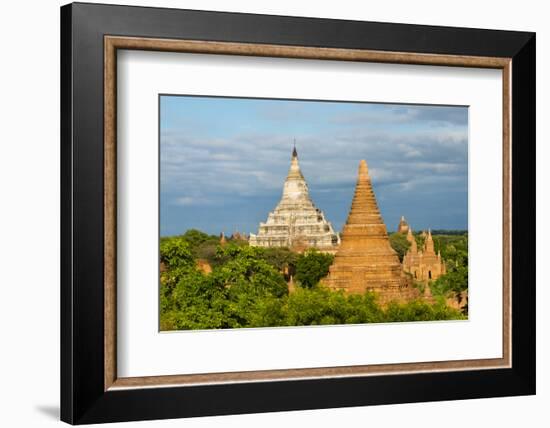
(454, 251)
(420, 240)
(455, 280)
(400, 244)
(311, 266)
(279, 258)
(247, 289)
(195, 237)
(175, 252)
(420, 310)
(245, 268)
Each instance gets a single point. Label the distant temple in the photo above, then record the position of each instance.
(403, 226)
(295, 222)
(238, 236)
(423, 265)
(365, 260)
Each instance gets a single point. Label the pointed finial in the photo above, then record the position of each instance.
(294, 152)
(363, 168)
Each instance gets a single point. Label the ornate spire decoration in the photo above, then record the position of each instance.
(429, 244)
(424, 265)
(295, 183)
(296, 222)
(412, 240)
(365, 260)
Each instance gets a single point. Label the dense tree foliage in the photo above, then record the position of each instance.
(247, 288)
(448, 232)
(454, 250)
(400, 244)
(175, 253)
(311, 266)
(280, 258)
(195, 238)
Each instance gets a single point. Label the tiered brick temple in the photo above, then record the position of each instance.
(365, 260)
(423, 265)
(296, 222)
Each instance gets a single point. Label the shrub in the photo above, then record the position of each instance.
(311, 266)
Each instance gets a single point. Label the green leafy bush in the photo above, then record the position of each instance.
(311, 266)
(400, 244)
(175, 252)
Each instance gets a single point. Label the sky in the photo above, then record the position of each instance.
(223, 161)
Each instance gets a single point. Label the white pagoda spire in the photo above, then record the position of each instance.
(296, 222)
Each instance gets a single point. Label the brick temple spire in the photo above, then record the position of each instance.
(364, 209)
(365, 260)
(410, 238)
(429, 244)
(424, 265)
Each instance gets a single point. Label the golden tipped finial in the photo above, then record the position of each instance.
(363, 169)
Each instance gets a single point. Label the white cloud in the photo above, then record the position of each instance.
(199, 170)
(192, 201)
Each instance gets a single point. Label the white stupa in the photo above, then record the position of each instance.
(296, 222)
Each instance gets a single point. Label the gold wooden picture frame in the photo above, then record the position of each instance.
(114, 43)
(91, 389)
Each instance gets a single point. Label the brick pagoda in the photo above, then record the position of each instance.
(365, 260)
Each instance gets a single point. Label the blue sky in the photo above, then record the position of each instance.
(223, 161)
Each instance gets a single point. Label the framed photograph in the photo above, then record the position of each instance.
(266, 213)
